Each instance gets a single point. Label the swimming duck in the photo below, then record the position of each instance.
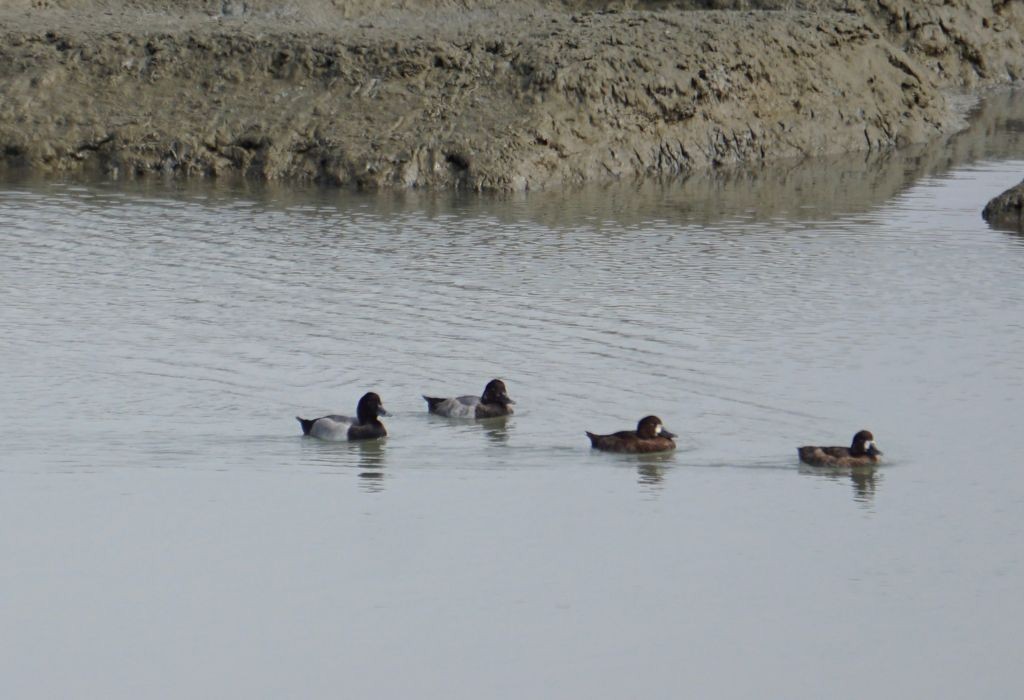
(650, 436)
(365, 426)
(862, 452)
(494, 402)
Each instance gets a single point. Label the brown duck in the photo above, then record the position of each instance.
(862, 452)
(650, 436)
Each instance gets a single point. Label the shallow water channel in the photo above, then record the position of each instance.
(166, 532)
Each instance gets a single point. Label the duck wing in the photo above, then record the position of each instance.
(616, 442)
(333, 427)
(821, 456)
(458, 407)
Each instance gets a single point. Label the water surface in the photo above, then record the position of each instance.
(166, 532)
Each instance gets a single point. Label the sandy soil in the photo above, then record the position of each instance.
(486, 94)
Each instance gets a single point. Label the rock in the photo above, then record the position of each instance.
(1007, 210)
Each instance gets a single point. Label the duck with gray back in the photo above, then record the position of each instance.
(862, 452)
(650, 436)
(365, 426)
(493, 403)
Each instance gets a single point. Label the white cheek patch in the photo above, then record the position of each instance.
(657, 429)
(869, 445)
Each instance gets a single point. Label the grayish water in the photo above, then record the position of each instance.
(165, 532)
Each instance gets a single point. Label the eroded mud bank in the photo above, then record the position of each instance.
(478, 95)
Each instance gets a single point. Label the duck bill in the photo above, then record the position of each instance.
(665, 433)
(382, 412)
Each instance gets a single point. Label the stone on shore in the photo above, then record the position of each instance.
(1007, 210)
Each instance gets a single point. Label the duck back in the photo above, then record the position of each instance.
(833, 457)
(332, 428)
(458, 407)
(628, 441)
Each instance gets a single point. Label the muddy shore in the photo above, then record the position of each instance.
(479, 95)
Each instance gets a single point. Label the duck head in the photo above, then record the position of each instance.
(370, 408)
(495, 392)
(651, 427)
(864, 444)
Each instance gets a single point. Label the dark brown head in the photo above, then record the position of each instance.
(651, 427)
(370, 408)
(864, 444)
(495, 392)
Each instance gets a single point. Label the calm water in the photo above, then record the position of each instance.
(165, 532)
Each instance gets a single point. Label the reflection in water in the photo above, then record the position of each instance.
(652, 468)
(371, 482)
(816, 188)
(650, 475)
(1016, 237)
(865, 479)
(496, 429)
(371, 462)
(369, 457)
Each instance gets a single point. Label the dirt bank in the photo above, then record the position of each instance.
(479, 95)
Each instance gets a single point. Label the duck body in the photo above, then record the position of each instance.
(334, 428)
(862, 452)
(650, 436)
(493, 403)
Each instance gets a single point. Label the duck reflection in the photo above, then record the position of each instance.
(371, 462)
(371, 482)
(496, 429)
(652, 468)
(650, 475)
(865, 479)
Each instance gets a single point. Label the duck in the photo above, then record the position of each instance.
(862, 452)
(365, 426)
(493, 403)
(650, 436)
